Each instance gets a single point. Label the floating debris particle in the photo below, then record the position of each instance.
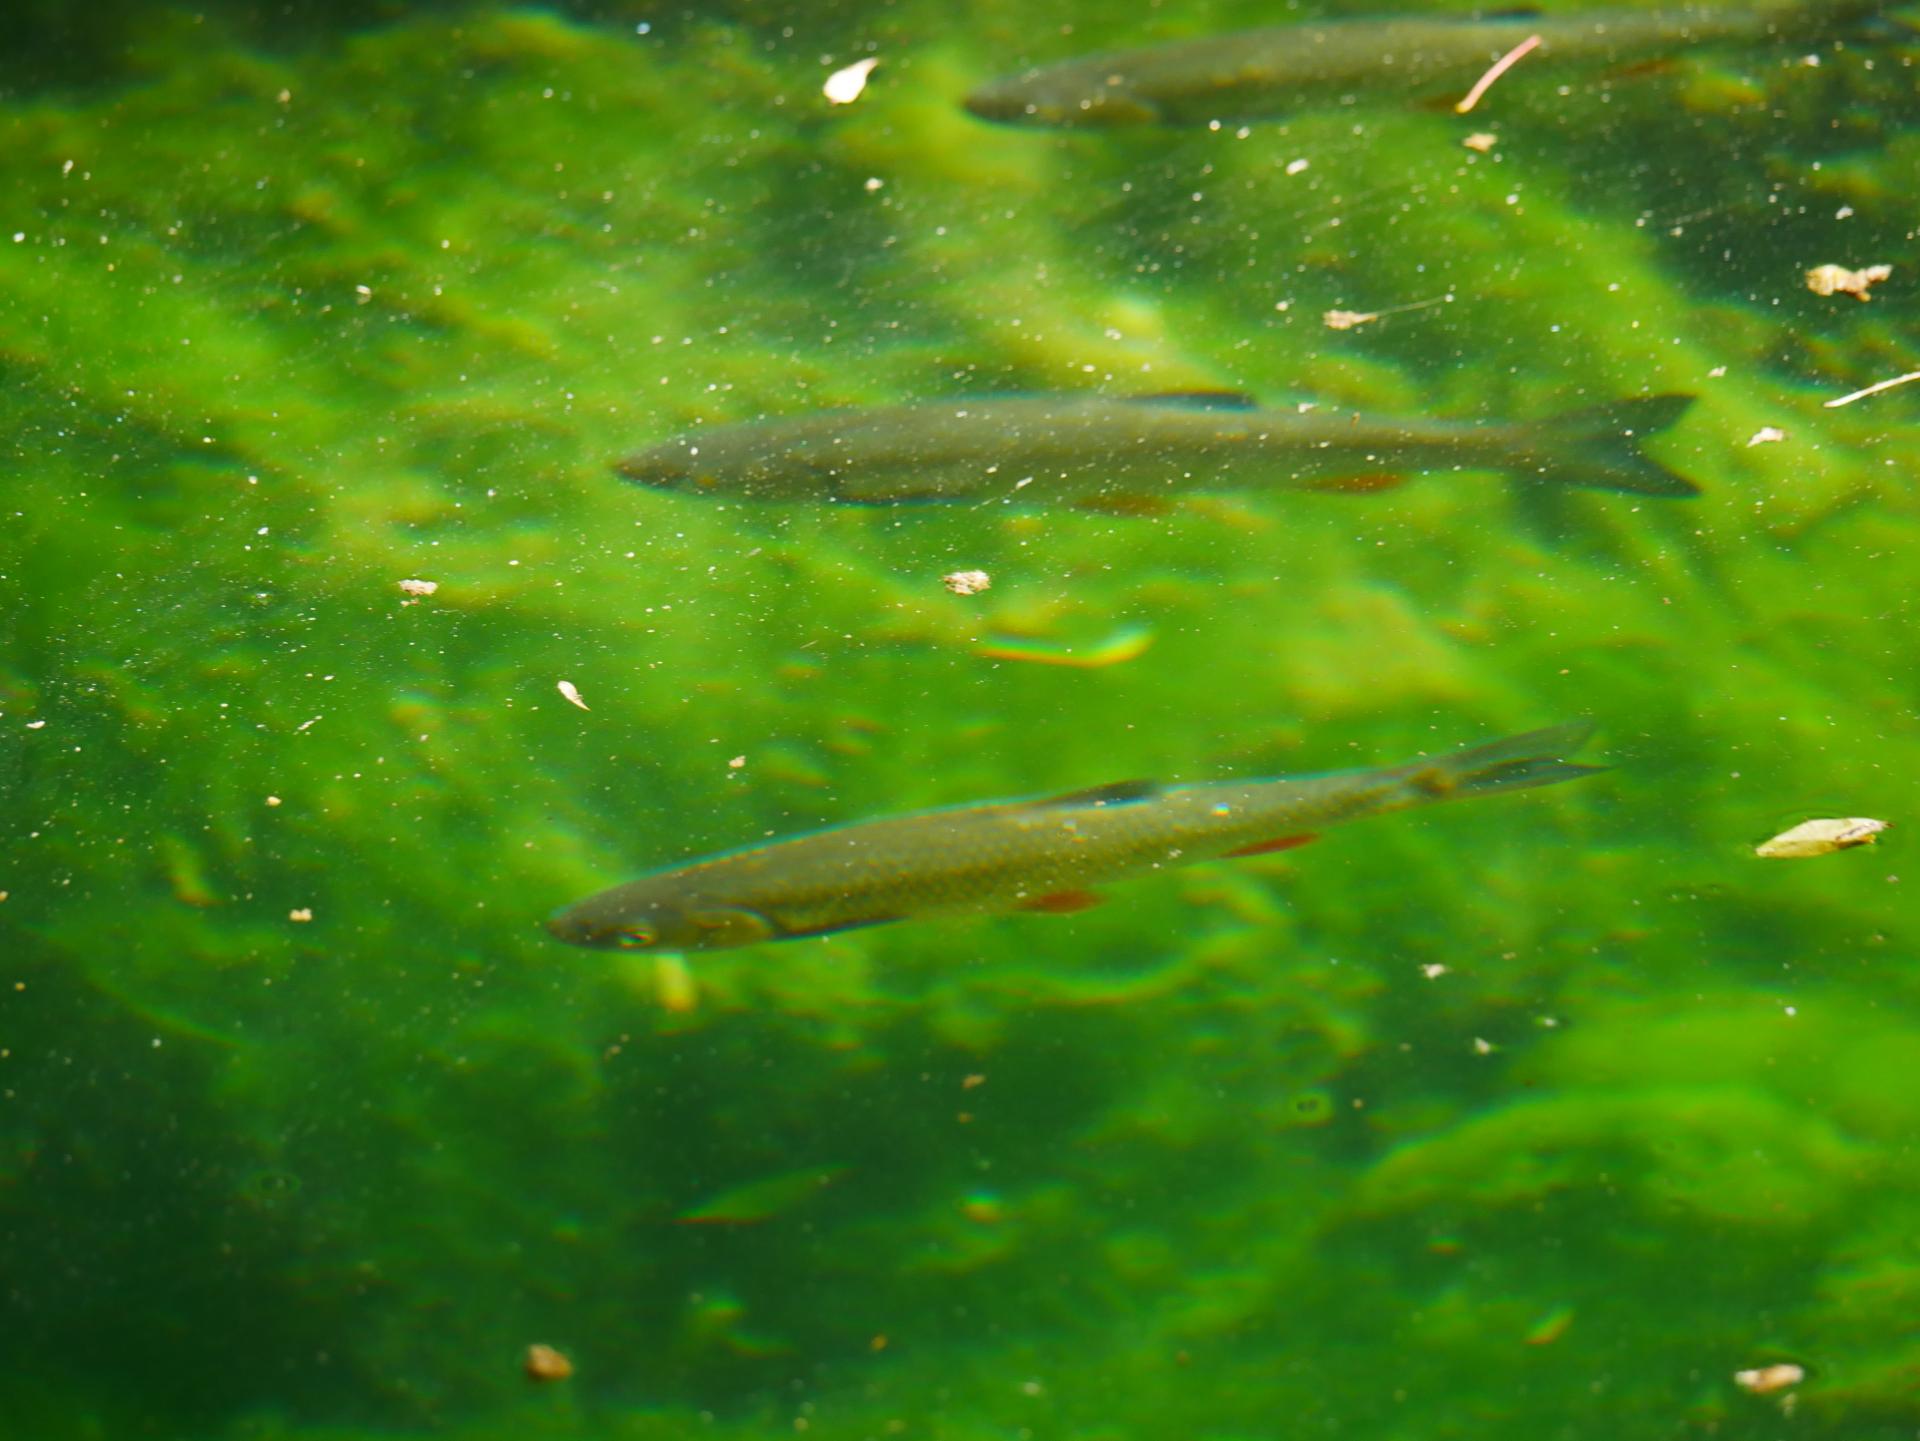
(1294, 167)
(1820, 838)
(40, 724)
(1481, 140)
(967, 1083)
(1836, 279)
(843, 87)
(1717, 372)
(967, 582)
(543, 1363)
(1433, 971)
(572, 692)
(736, 763)
(273, 800)
(1347, 319)
(1873, 389)
(1766, 435)
(303, 913)
(1482, 1047)
(419, 587)
(1494, 72)
(1765, 1380)
(1550, 1327)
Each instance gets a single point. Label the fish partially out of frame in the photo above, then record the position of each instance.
(1135, 453)
(1028, 855)
(1250, 73)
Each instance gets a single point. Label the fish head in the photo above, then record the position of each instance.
(673, 465)
(1061, 96)
(654, 914)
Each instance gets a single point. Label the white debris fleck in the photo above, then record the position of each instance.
(874, 182)
(273, 800)
(1837, 279)
(843, 87)
(1294, 167)
(1765, 1380)
(1482, 1047)
(572, 692)
(1433, 971)
(1766, 435)
(1481, 140)
(967, 582)
(419, 587)
(736, 763)
(301, 913)
(1820, 838)
(35, 725)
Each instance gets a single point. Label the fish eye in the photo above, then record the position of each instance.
(635, 937)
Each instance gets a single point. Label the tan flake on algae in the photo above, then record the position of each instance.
(1371, 650)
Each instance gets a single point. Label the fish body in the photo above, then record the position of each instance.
(1251, 73)
(1105, 452)
(1043, 855)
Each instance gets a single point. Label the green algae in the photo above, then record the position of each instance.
(295, 316)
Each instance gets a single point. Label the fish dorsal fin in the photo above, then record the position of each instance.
(1199, 399)
(1513, 12)
(1119, 793)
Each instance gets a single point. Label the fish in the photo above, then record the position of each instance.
(1251, 73)
(1136, 453)
(1043, 855)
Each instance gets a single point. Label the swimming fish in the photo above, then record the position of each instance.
(1251, 73)
(1033, 855)
(1104, 453)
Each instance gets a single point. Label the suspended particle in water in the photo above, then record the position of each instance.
(543, 1363)
(843, 87)
(967, 582)
(1765, 1380)
(572, 692)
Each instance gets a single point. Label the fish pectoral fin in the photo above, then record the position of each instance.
(1061, 903)
(1356, 484)
(1278, 843)
(832, 928)
(724, 926)
(1119, 793)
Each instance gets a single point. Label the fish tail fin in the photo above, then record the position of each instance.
(1515, 763)
(1600, 448)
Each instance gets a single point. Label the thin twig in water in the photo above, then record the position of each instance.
(1494, 72)
(1873, 389)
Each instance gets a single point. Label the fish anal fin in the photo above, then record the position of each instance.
(1119, 793)
(1357, 484)
(1199, 399)
(1278, 843)
(1061, 903)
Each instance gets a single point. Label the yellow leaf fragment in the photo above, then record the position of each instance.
(1481, 140)
(1820, 838)
(1765, 1380)
(967, 582)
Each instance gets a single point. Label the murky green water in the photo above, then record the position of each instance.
(1539, 1116)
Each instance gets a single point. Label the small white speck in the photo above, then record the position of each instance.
(572, 692)
(843, 87)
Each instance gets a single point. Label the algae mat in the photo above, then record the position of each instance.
(1542, 1116)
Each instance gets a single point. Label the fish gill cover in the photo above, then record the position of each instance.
(321, 334)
